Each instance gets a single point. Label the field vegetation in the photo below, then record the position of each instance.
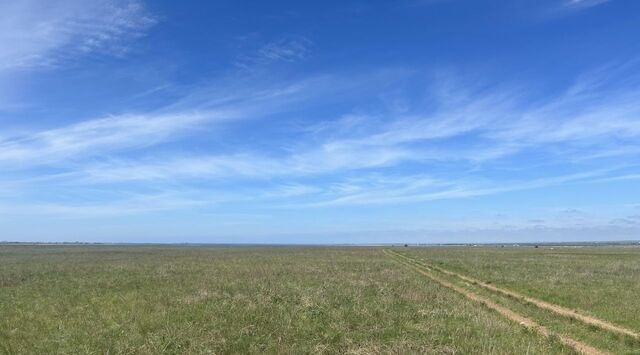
(184, 299)
(602, 281)
(585, 294)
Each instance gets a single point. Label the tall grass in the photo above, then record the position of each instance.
(601, 281)
(149, 300)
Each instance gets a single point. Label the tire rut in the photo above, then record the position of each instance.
(506, 312)
(600, 323)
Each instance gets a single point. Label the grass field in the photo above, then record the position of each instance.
(178, 299)
(603, 281)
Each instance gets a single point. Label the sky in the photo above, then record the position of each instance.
(310, 122)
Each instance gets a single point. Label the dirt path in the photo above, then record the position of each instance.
(527, 322)
(542, 304)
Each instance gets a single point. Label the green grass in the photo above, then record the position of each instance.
(600, 281)
(151, 299)
(566, 326)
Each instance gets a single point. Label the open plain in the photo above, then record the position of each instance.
(215, 299)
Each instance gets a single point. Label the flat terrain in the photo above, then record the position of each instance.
(603, 281)
(180, 299)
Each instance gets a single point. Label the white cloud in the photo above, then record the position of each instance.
(203, 108)
(584, 3)
(180, 168)
(239, 165)
(116, 206)
(577, 119)
(39, 33)
(315, 166)
(290, 49)
(286, 49)
(93, 137)
(410, 189)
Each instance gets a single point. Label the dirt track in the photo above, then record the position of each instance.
(527, 322)
(542, 304)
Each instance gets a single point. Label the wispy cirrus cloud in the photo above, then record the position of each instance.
(466, 131)
(558, 9)
(237, 165)
(209, 129)
(414, 189)
(287, 49)
(94, 137)
(201, 108)
(584, 3)
(38, 34)
(119, 204)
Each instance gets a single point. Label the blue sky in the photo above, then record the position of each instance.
(319, 122)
